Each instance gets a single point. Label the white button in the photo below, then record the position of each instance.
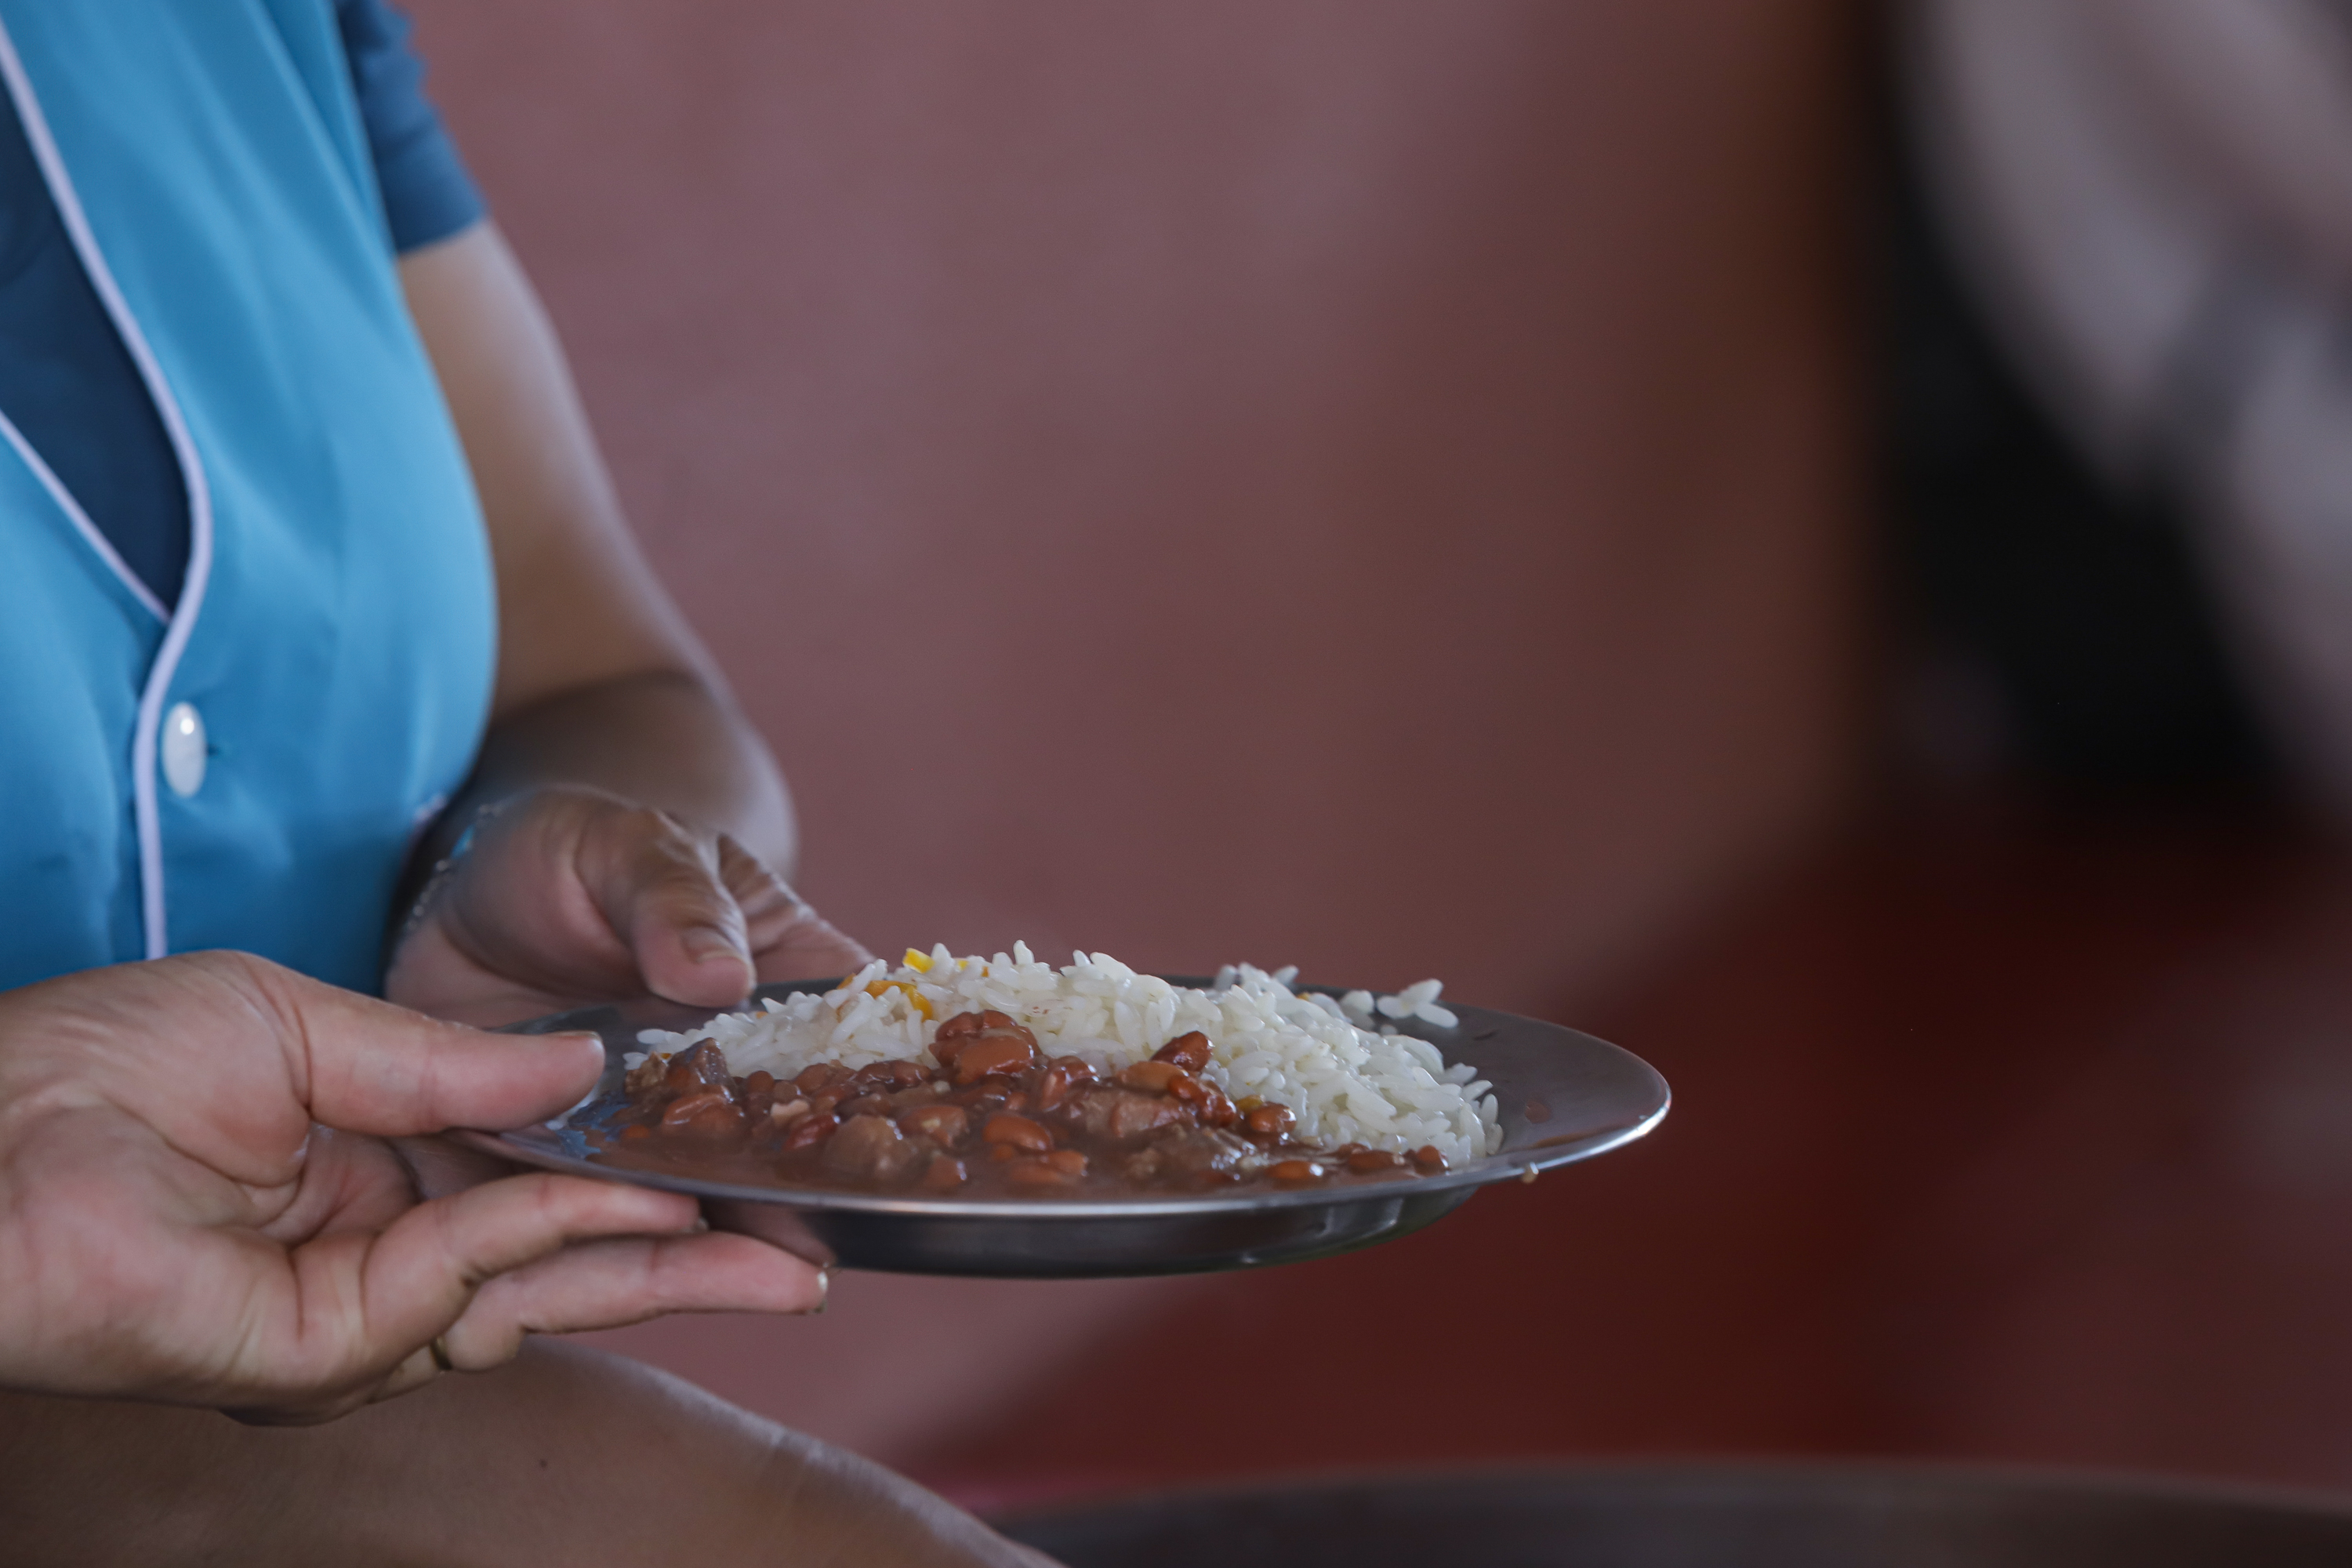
(183, 749)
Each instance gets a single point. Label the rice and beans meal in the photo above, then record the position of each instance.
(1008, 1077)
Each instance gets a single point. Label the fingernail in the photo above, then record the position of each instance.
(703, 943)
(824, 1294)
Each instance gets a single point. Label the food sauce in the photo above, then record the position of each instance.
(995, 1118)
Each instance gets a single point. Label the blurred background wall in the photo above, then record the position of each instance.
(1391, 487)
(1363, 485)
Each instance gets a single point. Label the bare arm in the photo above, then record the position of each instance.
(643, 831)
(600, 680)
(566, 1456)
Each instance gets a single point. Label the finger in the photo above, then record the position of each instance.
(790, 940)
(608, 1284)
(423, 1271)
(437, 1167)
(310, 1409)
(365, 1065)
(660, 886)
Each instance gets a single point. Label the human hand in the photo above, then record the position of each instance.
(571, 895)
(173, 1226)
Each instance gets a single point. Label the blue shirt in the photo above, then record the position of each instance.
(244, 769)
(66, 380)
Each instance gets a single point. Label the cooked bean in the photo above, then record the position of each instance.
(687, 1107)
(1152, 1078)
(810, 1130)
(1018, 1131)
(1189, 1052)
(1061, 1075)
(715, 1121)
(1037, 1174)
(995, 1054)
(820, 1076)
(1043, 1124)
(1269, 1120)
(960, 1034)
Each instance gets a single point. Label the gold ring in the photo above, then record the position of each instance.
(440, 1348)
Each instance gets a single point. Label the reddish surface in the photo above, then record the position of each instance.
(2024, 1143)
(1219, 480)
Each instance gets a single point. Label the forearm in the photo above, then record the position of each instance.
(600, 680)
(663, 738)
(565, 1456)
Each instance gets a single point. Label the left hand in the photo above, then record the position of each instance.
(173, 1226)
(570, 895)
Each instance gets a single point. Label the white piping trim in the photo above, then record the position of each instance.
(89, 530)
(192, 473)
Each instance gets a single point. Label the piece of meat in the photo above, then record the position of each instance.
(1120, 1115)
(700, 1066)
(1202, 1151)
(941, 1124)
(870, 1149)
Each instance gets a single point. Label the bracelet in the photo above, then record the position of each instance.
(442, 870)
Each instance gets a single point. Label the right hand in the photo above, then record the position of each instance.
(573, 895)
(173, 1227)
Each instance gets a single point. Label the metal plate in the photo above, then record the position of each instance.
(1704, 1516)
(1562, 1097)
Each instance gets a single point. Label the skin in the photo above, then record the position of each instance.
(565, 1456)
(639, 840)
(173, 1227)
(642, 830)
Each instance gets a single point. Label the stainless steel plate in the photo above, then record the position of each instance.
(1563, 1097)
(1704, 1516)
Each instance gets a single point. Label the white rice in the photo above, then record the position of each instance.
(1349, 1078)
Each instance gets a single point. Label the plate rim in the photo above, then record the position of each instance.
(1523, 1163)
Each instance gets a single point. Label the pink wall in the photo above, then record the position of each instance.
(1354, 482)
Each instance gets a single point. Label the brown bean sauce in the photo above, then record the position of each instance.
(997, 1118)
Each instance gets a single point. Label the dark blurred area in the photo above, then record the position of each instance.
(1557, 499)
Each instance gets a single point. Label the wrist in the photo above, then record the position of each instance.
(469, 820)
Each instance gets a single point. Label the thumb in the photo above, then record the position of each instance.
(662, 889)
(368, 1067)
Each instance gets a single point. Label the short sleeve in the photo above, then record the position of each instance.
(428, 195)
